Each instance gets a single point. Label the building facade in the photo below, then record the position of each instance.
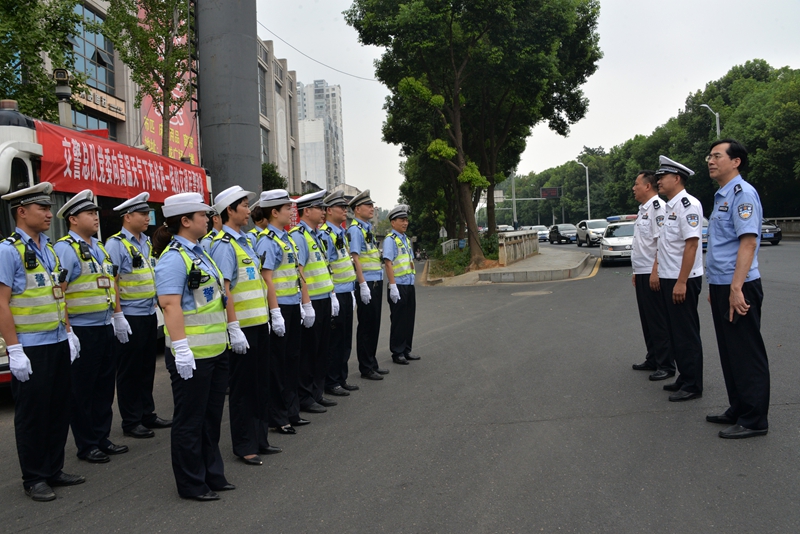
(319, 109)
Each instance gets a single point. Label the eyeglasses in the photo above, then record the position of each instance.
(715, 156)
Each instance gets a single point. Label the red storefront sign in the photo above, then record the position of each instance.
(73, 161)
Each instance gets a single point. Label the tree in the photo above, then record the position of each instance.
(271, 178)
(152, 39)
(29, 31)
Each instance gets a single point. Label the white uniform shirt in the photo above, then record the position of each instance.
(645, 235)
(683, 219)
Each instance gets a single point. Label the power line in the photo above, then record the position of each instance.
(312, 59)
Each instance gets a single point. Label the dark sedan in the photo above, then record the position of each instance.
(563, 233)
(770, 232)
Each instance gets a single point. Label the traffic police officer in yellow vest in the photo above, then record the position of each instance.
(398, 259)
(318, 306)
(41, 346)
(92, 304)
(190, 291)
(247, 315)
(131, 251)
(214, 227)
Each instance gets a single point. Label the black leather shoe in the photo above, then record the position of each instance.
(327, 402)
(400, 360)
(740, 432)
(112, 449)
(41, 492)
(96, 456)
(139, 432)
(382, 371)
(682, 395)
(300, 422)
(672, 387)
(721, 419)
(159, 423)
(288, 430)
(337, 391)
(269, 449)
(63, 479)
(255, 460)
(372, 376)
(646, 366)
(412, 357)
(313, 408)
(210, 496)
(350, 387)
(661, 375)
(226, 487)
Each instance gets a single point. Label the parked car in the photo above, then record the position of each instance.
(770, 232)
(563, 233)
(590, 231)
(543, 232)
(504, 228)
(617, 242)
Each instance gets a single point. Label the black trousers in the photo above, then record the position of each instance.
(199, 402)
(402, 315)
(136, 371)
(653, 317)
(284, 355)
(314, 354)
(93, 387)
(249, 390)
(42, 411)
(684, 333)
(743, 355)
(341, 342)
(369, 328)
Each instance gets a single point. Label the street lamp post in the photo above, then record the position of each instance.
(715, 114)
(588, 202)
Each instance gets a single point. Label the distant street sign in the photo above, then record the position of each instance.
(550, 192)
(499, 196)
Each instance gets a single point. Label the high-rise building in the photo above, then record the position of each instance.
(319, 110)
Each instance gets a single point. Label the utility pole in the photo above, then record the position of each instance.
(715, 115)
(588, 202)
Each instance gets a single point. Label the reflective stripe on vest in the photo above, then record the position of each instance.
(250, 293)
(36, 309)
(140, 283)
(343, 270)
(206, 326)
(316, 273)
(84, 295)
(371, 259)
(402, 264)
(284, 278)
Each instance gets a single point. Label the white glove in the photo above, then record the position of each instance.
(19, 363)
(334, 305)
(366, 296)
(307, 311)
(74, 346)
(278, 324)
(121, 327)
(353, 294)
(184, 359)
(239, 342)
(394, 294)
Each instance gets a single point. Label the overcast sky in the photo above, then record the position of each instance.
(655, 54)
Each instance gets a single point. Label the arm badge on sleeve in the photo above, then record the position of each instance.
(745, 211)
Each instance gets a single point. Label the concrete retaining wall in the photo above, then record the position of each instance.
(515, 246)
(536, 276)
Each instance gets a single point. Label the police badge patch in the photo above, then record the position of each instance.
(745, 211)
(660, 220)
(693, 220)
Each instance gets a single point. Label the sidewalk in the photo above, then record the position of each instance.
(549, 264)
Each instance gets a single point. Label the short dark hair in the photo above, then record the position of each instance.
(735, 150)
(648, 177)
(233, 205)
(257, 213)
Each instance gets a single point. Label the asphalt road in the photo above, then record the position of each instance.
(523, 415)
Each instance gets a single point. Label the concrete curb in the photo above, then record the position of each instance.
(429, 281)
(536, 276)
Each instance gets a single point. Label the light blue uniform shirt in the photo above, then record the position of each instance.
(69, 260)
(273, 256)
(737, 211)
(121, 257)
(302, 251)
(171, 276)
(206, 241)
(390, 253)
(12, 274)
(358, 246)
(225, 257)
(333, 255)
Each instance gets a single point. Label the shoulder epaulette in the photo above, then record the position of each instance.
(656, 204)
(686, 202)
(271, 234)
(13, 238)
(737, 189)
(118, 235)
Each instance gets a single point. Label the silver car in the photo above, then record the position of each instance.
(590, 231)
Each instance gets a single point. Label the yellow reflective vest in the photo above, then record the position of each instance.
(371, 259)
(140, 283)
(250, 292)
(342, 268)
(93, 290)
(285, 278)
(402, 263)
(316, 272)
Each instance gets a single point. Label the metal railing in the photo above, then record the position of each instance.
(449, 246)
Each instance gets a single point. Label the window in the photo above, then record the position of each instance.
(263, 54)
(88, 120)
(94, 54)
(262, 90)
(290, 115)
(264, 145)
(278, 88)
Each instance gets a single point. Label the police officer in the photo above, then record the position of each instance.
(398, 260)
(191, 293)
(247, 327)
(735, 293)
(643, 260)
(40, 343)
(369, 275)
(260, 221)
(319, 303)
(130, 249)
(92, 304)
(279, 269)
(334, 241)
(214, 227)
(680, 270)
